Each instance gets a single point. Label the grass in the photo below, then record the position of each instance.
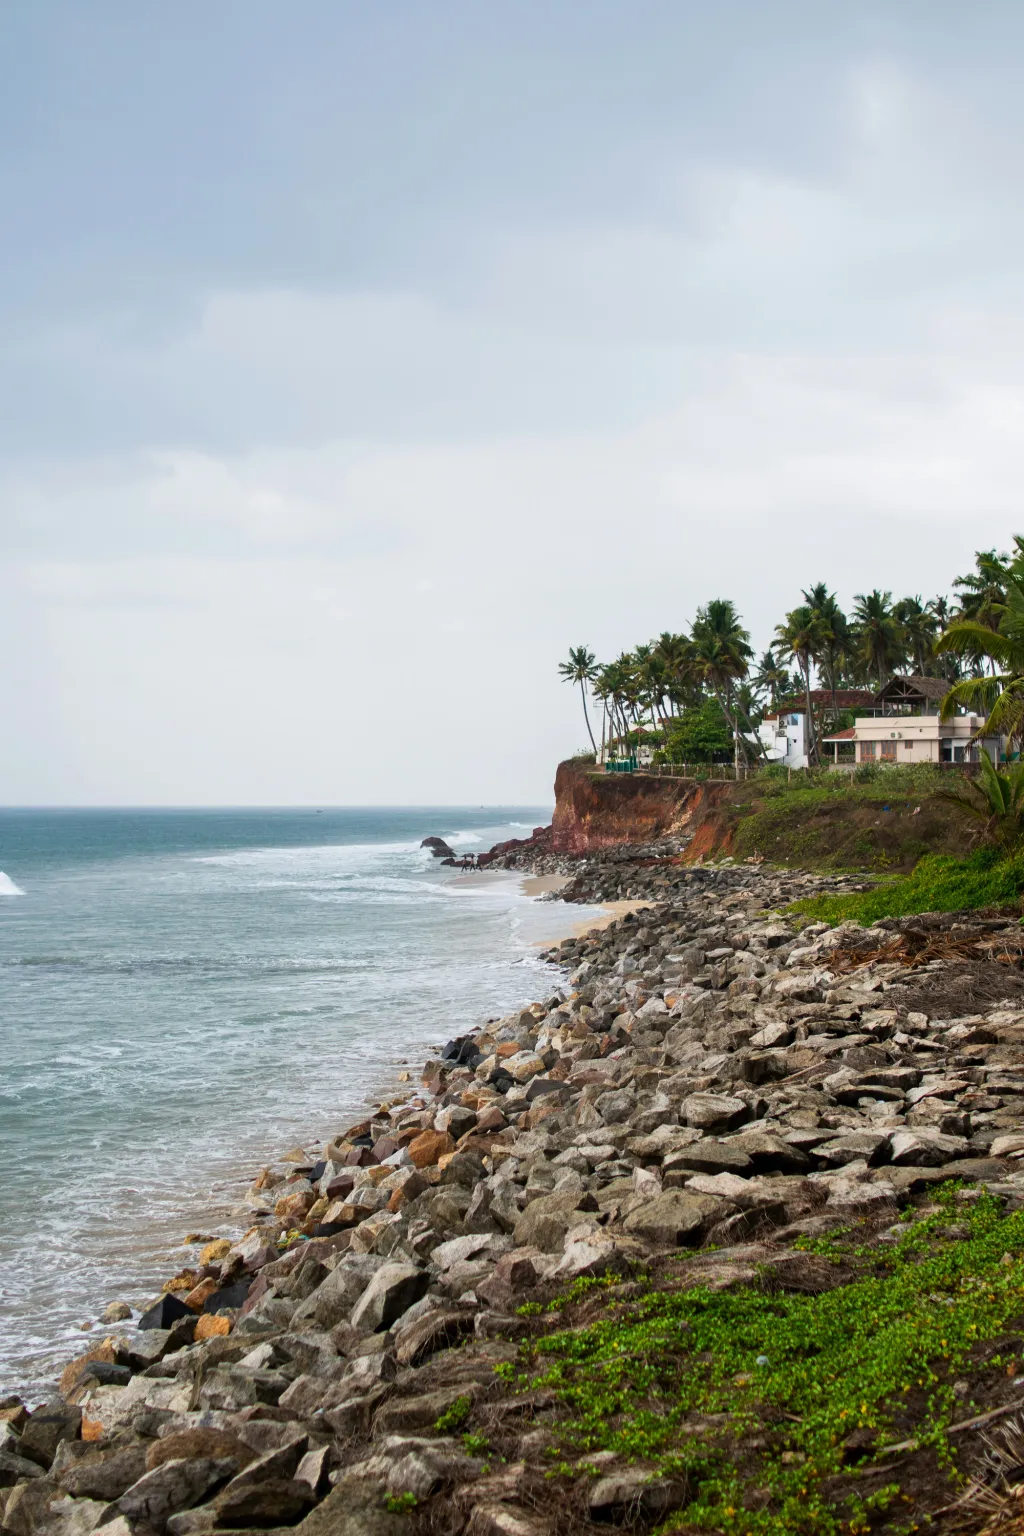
(880, 818)
(794, 1375)
(938, 883)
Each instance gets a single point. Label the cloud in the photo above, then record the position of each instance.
(297, 519)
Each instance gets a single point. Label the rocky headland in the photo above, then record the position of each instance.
(487, 1308)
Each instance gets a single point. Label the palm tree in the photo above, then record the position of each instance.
(878, 635)
(834, 635)
(920, 626)
(772, 679)
(1000, 691)
(803, 636)
(983, 590)
(580, 669)
(721, 655)
(674, 653)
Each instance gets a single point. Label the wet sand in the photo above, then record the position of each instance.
(596, 918)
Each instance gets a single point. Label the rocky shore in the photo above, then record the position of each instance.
(709, 1090)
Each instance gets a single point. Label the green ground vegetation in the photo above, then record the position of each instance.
(937, 884)
(752, 1396)
(877, 819)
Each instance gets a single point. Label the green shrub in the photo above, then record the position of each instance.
(455, 1416)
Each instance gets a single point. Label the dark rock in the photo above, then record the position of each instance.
(229, 1297)
(164, 1312)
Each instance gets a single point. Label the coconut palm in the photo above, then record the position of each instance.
(834, 644)
(878, 635)
(803, 636)
(920, 627)
(721, 656)
(999, 693)
(983, 590)
(772, 679)
(581, 669)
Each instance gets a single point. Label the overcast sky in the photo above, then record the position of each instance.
(357, 360)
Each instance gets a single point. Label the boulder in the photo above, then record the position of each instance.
(105, 1476)
(546, 1221)
(504, 1520)
(429, 1146)
(676, 1218)
(47, 1426)
(354, 1507)
(710, 1112)
(441, 1329)
(260, 1506)
(165, 1312)
(172, 1486)
(632, 1495)
(200, 1442)
(14, 1467)
(709, 1157)
(343, 1287)
(402, 1414)
(926, 1149)
(392, 1291)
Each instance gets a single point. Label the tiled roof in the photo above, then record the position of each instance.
(848, 735)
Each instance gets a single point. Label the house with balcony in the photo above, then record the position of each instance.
(906, 727)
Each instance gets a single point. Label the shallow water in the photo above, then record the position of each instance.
(184, 994)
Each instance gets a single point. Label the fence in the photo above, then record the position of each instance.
(728, 771)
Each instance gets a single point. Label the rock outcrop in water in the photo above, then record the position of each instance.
(706, 1088)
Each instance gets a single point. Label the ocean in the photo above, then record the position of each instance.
(185, 995)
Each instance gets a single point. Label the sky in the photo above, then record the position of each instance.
(357, 361)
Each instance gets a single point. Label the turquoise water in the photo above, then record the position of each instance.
(185, 994)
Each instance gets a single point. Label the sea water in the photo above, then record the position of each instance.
(185, 995)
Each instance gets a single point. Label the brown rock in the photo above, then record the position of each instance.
(199, 1442)
(429, 1146)
(212, 1325)
(205, 1288)
(215, 1251)
(75, 1369)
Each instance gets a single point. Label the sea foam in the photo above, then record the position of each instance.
(8, 887)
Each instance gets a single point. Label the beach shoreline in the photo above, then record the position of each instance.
(668, 1111)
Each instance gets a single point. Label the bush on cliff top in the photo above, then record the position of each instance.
(937, 884)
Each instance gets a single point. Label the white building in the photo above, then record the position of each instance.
(915, 739)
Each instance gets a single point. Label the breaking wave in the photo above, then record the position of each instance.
(8, 887)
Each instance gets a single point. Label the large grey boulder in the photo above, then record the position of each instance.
(354, 1507)
(105, 1476)
(676, 1218)
(392, 1291)
(172, 1486)
(711, 1112)
(334, 1300)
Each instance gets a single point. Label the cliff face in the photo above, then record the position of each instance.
(596, 810)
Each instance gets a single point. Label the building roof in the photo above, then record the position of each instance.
(847, 735)
(824, 698)
(913, 687)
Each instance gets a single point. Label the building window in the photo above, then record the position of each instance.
(908, 746)
(868, 750)
(888, 751)
(945, 751)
